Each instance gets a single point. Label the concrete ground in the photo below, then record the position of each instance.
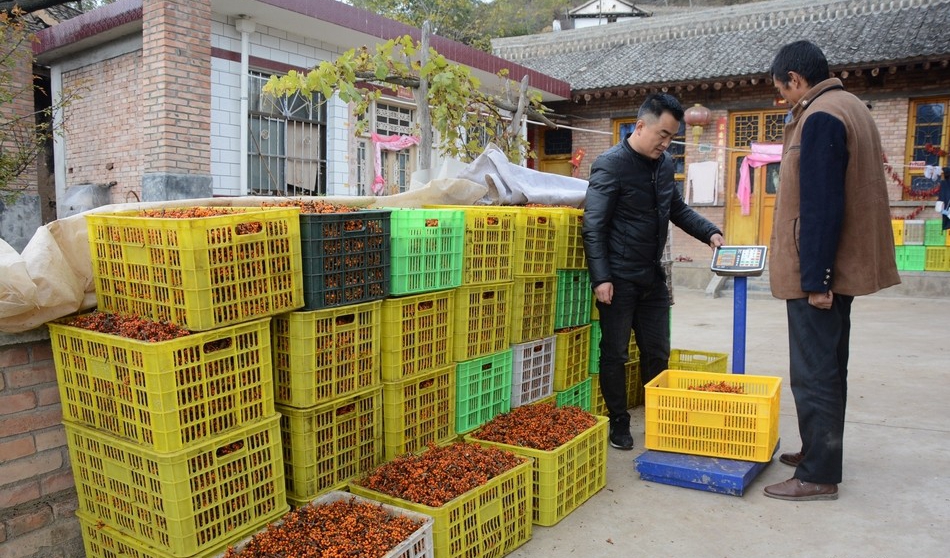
(895, 497)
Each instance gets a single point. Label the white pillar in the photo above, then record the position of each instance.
(246, 27)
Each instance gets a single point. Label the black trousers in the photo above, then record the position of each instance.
(645, 311)
(818, 368)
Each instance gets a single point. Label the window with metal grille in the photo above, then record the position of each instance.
(927, 144)
(286, 142)
(396, 167)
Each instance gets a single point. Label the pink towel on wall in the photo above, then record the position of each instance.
(762, 154)
(389, 143)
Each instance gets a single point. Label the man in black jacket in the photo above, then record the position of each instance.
(631, 198)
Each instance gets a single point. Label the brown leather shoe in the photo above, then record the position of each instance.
(790, 458)
(800, 491)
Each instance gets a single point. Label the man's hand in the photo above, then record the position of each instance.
(822, 301)
(716, 240)
(604, 292)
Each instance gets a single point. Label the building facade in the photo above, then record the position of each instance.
(893, 55)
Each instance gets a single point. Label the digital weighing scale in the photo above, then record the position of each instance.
(712, 474)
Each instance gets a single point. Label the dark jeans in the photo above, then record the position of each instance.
(818, 368)
(645, 310)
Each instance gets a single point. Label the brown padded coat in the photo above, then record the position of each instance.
(864, 261)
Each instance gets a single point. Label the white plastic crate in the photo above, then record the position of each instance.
(532, 371)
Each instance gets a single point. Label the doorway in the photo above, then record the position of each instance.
(752, 224)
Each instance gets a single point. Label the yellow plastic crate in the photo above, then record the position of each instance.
(482, 319)
(419, 410)
(322, 355)
(327, 445)
(417, 334)
(489, 243)
(535, 247)
(200, 273)
(167, 395)
(937, 258)
(183, 502)
(898, 227)
(102, 541)
(566, 477)
(571, 356)
(635, 395)
(490, 521)
(534, 305)
(681, 359)
(730, 425)
(570, 242)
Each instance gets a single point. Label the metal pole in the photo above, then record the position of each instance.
(738, 325)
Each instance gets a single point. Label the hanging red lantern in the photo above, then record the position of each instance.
(697, 116)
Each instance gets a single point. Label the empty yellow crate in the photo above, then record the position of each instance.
(321, 355)
(566, 477)
(166, 395)
(681, 359)
(183, 502)
(482, 319)
(486, 522)
(731, 425)
(200, 273)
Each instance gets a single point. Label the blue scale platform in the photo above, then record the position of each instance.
(712, 474)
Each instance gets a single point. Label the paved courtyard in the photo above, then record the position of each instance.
(895, 498)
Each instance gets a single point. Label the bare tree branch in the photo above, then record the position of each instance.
(30, 5)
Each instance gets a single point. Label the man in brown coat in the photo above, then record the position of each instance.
(832, 240)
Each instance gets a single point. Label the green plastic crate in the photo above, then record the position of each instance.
(346, 257)
(426, 250)
(577, 395)
(573, 300)
(911, 258)
(483, 390)
(934, 235)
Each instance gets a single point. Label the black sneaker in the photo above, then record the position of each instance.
(620, 438)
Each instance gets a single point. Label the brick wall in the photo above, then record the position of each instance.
(110, 108)
(37, 493)
(176, 89)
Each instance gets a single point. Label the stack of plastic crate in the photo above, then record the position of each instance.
(910, 251)
(418, 369)
(936, 246)
(327, 356)
(175, 443)
(535, 292)
(483, 316)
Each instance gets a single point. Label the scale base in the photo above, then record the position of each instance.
(712, 474)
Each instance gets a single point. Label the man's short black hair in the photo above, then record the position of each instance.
(802, 57)
(657, 103)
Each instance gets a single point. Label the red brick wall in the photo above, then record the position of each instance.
(176, 92)
(37, 493)
(21, 107)
(108, 119)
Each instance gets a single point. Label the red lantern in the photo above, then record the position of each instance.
(697, 116)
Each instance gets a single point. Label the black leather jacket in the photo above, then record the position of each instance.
(630, 201)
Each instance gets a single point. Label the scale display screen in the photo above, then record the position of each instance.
(747, 261)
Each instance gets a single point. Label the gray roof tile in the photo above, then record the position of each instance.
(734, 41)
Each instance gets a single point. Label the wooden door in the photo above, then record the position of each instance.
(754, 226)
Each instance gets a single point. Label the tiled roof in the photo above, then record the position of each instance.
(735, 41)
